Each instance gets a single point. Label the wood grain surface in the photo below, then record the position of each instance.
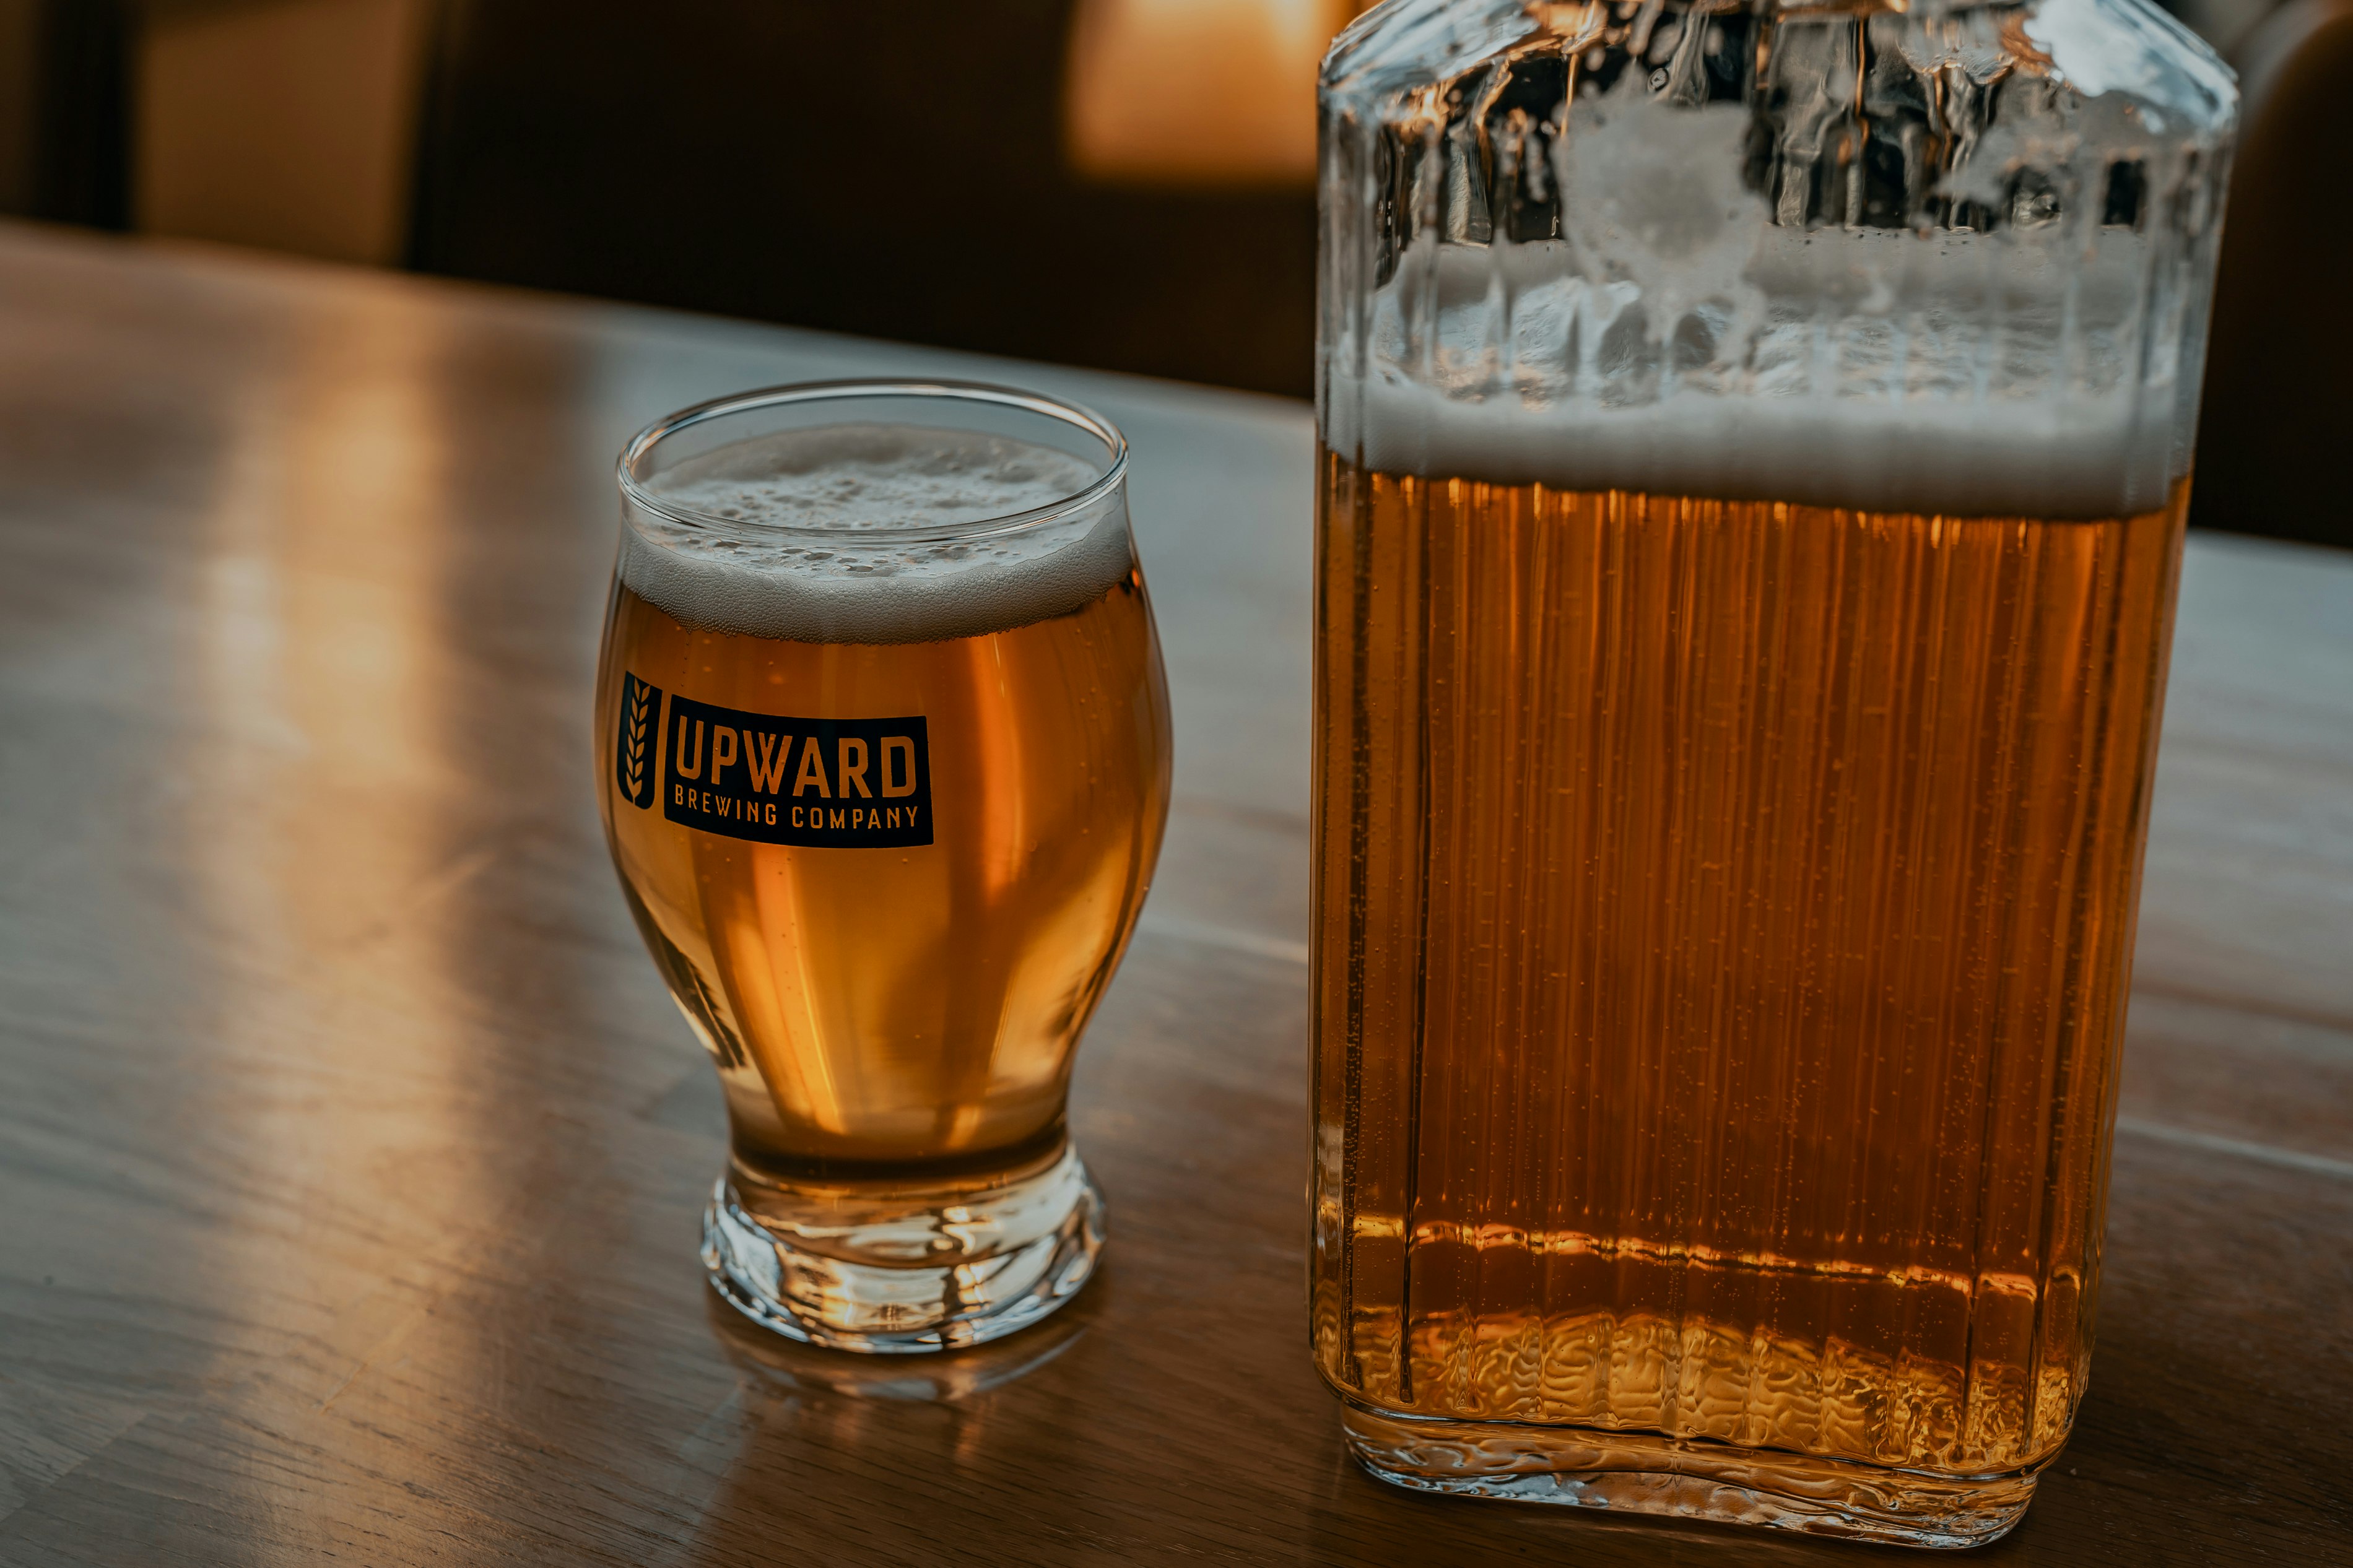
(350, 1153)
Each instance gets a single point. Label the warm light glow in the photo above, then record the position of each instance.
(320, 738)
(289, 125)
(1197, 92)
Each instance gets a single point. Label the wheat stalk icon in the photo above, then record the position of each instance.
(633, 765)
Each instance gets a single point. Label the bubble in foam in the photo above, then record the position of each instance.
(818, 535)
(872, 478)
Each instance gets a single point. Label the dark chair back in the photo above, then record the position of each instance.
(891, 168)
(2278, 413)
(72, 131)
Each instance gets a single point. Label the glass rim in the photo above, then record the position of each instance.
(643, 442)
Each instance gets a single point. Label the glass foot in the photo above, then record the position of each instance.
(1635, 1472)
(900, 1270)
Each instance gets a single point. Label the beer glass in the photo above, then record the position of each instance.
(1755, 445)
(882, 754)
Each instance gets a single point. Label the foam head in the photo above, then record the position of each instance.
(873, 533)
(1900, 413)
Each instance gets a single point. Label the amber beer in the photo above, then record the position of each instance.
(886, 782)
(1723, 916)
(917, 1000)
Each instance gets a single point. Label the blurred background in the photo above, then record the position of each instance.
(1120, 184)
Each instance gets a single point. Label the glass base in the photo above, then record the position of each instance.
(1637, 1472)
(900, 1268)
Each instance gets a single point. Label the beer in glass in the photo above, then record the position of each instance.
(1750, 508)
(883, 751)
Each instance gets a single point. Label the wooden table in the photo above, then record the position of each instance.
(351, 1153)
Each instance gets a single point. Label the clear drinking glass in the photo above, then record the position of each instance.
(1755, 440)
(883, 751)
